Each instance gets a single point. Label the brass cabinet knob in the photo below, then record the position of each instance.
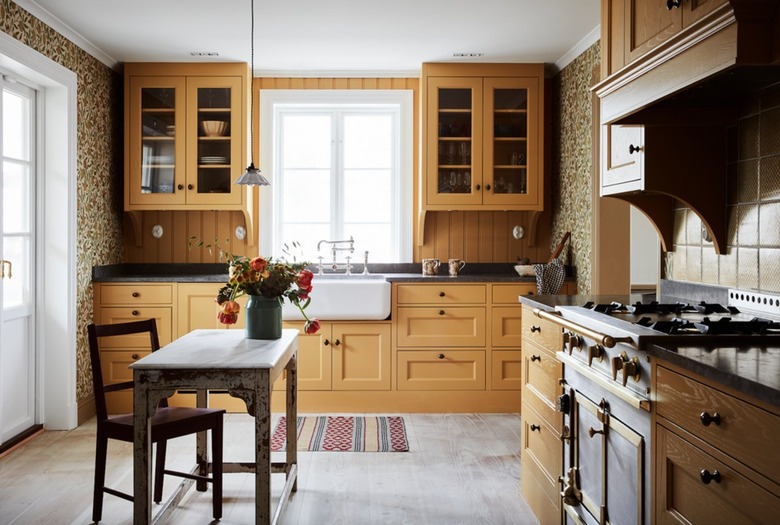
(337, 342)
(441, 356)
(536, 358)
(536, 428)
(190, 186)
(441, 312)
(134, 356)
(180, 187)
(442, 294)
(592, 432)
(535, 328)
(134, 312)
(136, 294)
(326, 342)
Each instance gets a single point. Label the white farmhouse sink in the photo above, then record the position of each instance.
(342, 296)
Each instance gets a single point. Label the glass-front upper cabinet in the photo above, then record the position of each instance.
(184, 139)
(483, 137)
(156, 153)
(454, 140)
(509, 147)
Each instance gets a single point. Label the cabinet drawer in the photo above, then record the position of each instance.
(128, 294)
(441, 293)
(163, 316)
(507, 370)
(541, 331)
(541, 493)
(506, 326)
(441, 370)
(441, 327)
(744, 430)
(508, 293)
(541, 373)
(682, 496)
(543, 408)
(115, 367)
(543, 444)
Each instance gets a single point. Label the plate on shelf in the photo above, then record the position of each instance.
(213, 160)
(161, 159)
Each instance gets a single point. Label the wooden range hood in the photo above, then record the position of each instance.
(684, 96)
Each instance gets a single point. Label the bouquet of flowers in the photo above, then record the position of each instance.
(269, 278)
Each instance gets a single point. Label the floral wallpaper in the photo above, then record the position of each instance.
(571, 153)
(99, 165)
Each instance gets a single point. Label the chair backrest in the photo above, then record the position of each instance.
(96, 332)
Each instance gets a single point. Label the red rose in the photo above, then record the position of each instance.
(304, 279)
(312, 327)
(258, 264)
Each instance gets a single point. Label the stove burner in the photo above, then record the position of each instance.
(672, 326)
(755, 326)
(714, 308)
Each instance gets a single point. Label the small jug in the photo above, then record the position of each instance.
(456, 265)
(430, 266)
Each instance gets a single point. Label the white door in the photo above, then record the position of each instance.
(17, 249)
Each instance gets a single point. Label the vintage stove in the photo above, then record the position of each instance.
(607, 396)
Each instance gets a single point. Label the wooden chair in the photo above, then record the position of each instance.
(167, 423)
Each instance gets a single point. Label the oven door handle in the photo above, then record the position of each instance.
(602, 339)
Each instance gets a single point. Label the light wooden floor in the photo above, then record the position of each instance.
(461, 469)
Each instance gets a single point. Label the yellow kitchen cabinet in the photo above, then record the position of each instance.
(711, 458)
(352, 355)
(483, 142)
(635, 28)
(185, 136)
(441, 370)
(125, 302)
(542, 452)
(196, 308)
(506, 370)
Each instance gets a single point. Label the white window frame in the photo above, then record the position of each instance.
(273, 99)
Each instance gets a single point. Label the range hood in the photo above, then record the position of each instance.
(685, 96)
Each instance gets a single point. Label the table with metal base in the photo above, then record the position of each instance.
(218, 360)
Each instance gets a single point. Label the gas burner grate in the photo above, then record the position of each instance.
(726, 326)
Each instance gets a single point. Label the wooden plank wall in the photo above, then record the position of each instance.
(471, 236)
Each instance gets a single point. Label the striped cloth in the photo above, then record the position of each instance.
(345, 434)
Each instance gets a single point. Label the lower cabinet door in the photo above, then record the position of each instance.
(507, 370)
(694, 487)
(361, 356)
(314, 359)
(441, 369)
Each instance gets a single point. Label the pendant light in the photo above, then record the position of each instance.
(252, 175)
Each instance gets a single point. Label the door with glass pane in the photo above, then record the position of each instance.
(17, 245)
(510, 150)
(156, 143)
(213, 140)
(454, 169)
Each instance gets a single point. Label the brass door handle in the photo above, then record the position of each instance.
(3, 264)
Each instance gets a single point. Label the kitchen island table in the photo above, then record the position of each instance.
(218, 359)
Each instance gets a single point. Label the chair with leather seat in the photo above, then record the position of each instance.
(167, 422)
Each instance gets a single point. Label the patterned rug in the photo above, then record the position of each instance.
(345, 434)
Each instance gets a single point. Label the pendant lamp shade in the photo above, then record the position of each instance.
(252, 175)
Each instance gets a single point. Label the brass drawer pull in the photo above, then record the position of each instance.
(442, 294)
(134, 356)
(441, 356)
(706, 477)
(536, 358)
(134, 312)
(536, 428)
(441, 312)
(706, 418)
(535, 328)
(136, 294)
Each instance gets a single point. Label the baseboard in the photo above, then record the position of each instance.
(86, 409)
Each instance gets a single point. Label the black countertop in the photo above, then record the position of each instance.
(753, 370)
(217, 273)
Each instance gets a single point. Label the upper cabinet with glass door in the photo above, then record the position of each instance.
(483, 136)
(185, 136)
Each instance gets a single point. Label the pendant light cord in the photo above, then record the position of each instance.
(252, 87)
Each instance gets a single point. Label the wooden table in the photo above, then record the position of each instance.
(218, 360)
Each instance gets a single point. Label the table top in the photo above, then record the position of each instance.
(219, 348)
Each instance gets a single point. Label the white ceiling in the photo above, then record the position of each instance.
(308, 36)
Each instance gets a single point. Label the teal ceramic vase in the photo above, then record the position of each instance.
(263, 317)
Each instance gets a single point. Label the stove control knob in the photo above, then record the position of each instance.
(631, 369)
(572, 341)
(595, 351)
(617, 365)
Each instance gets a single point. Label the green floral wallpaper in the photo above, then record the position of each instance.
(99, 175)
(571, 153)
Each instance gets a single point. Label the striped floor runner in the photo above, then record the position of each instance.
(345, 434)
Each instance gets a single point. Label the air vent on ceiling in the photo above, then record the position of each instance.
(204, 53)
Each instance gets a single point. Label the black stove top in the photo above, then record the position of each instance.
(688, 318)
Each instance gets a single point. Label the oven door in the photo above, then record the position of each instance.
(609, 460)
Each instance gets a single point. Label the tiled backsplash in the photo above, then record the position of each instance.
(752, 258)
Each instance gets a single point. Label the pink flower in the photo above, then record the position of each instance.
(258, 264)
(304, 279)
